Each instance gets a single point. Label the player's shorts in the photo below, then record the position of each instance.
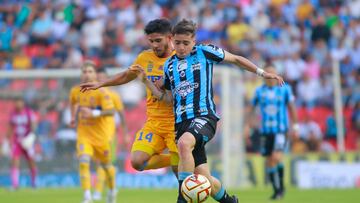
(17, 151)
(100, 152)
(272, 142)
(155, 137)
(203, 129)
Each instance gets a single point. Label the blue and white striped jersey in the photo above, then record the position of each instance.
(190, 80)
(273, 103)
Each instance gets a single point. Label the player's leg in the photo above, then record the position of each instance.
(102, 153)
(15, 164)
(218, 192)
(277, 156)
(85, 152)
(146, 149)
(186, 166)
(169, 140)
(100, 181)
(32, 166)
(100, 172)
(271, 164)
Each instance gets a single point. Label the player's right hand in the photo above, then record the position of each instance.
(89, 86)
(139, 71)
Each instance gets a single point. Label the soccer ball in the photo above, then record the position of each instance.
(196, 188)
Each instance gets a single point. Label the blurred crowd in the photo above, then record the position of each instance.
(301, 37)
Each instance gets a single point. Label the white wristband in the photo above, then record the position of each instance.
(96, 112)
(260, 72)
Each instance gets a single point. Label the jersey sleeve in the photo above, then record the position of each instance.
(117, 102)
(289, 98)
(106, 101)
(256, 98)
(213, 53)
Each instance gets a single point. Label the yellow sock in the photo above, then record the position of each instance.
(84, 172)
(100, 179)
(158, 161)
(111, 176)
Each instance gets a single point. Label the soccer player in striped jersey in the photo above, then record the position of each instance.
(188, 83)
(274, 102)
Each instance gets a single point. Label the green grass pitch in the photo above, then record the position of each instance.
(169, 196)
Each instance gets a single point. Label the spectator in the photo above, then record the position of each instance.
(41, 28)
(307, 91)
(325, 96)
(355, 117)
(320, 31)
(59, 27)
(149, 10)
(21, 61)
(310, 134)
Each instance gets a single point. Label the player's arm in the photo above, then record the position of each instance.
(119, 79)
(74, 107)
(160, 94)
(244, 63)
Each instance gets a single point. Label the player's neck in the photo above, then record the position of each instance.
(167, 53)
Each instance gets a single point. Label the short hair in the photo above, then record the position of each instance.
(185, 27)
(162, 26)
(88, 63)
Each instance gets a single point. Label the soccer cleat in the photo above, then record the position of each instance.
(276, 196)
(111, 196)
(97, 196)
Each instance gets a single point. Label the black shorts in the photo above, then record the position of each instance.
(203, 128)
(272, 142)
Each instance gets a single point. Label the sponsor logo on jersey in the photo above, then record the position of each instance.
(185, 88)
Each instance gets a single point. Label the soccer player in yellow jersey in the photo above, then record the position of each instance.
(158, 132)
(119, 107)
(89, 112)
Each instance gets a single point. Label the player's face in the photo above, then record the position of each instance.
(183, 44)
(88, 74)
(19, 104)
(271, 82)
(159, 43)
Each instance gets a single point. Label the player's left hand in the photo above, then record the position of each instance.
(279, 79)
(86, 112)
(139, 71)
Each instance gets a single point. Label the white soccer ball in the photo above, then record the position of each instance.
(196, 188)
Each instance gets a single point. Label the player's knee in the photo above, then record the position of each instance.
(138, 163)
(185, 145)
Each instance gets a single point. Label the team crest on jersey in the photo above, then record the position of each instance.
(161, 68)
(182, 74)
(182, 65)
(150, 66)
(185, 88)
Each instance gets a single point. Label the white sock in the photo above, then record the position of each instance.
(87, 194)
